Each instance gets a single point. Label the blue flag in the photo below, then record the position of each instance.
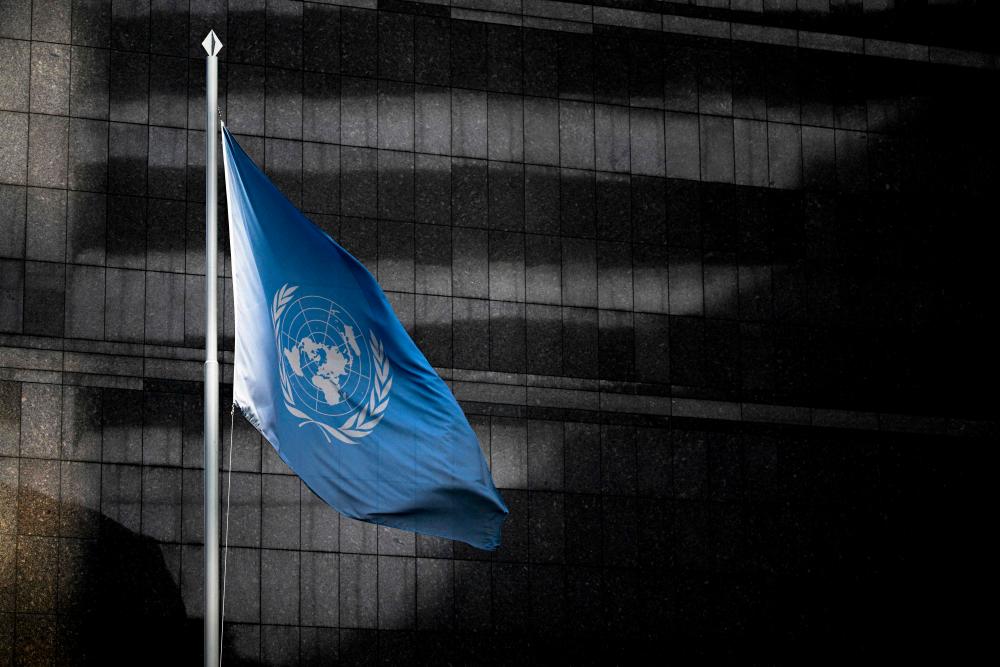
(328, 375)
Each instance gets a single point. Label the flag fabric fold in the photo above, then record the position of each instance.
(327, 373)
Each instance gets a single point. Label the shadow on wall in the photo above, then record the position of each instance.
(836, 229)
(686, 576)
(115, 597)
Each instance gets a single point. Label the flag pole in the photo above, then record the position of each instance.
(211, 434)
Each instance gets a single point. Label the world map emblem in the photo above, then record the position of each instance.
(333, 376)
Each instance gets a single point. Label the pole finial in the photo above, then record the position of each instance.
(212, 44)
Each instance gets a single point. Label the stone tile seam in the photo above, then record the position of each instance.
(79, 344)
(702, 27)
(538, 16)
(607, 401)
(460, 90)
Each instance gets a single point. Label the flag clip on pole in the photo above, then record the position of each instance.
(211, 433)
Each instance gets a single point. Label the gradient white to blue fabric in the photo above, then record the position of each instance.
(327, 373)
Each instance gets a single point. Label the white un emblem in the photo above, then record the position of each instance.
(332, 376)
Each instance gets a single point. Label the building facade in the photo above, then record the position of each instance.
(710, 280)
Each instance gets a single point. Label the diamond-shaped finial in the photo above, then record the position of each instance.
(212, 44)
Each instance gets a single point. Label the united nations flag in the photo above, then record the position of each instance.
(328, 375)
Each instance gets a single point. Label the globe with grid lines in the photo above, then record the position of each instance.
(325, 356)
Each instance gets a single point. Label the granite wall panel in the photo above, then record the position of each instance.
(579, 223)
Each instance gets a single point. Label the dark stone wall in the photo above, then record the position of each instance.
(715, 304)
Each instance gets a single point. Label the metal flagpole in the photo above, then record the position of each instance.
(212, 47)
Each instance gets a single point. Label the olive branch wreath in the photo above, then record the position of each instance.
(362, 422)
